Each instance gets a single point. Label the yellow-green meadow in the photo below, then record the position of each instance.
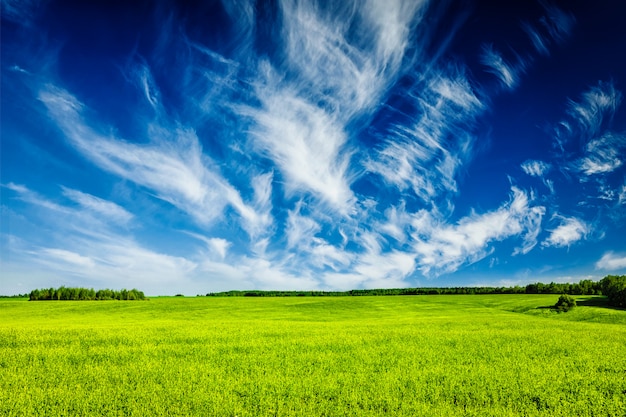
(448, 355)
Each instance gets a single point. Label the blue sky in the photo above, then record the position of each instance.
(301, 145)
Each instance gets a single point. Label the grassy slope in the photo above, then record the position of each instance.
(421, 355)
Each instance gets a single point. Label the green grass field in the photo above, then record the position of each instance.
(488, 355)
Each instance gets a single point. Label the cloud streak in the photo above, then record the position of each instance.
(443, 248)
(603, 155)
(587, 144)
(557, 22)
(173, 164)
(507, 73)
(102, 207)
(325, 78)
(307, 144)
(569, 231)
(535, 168)
(537, 39)
(596, 107)
(612, 261)
(426, 156)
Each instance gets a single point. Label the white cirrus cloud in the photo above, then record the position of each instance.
(22, 12)
(603, 154)
(347, 72)
(306, 143)
(66, 256)
(300, 229)
(556, 25)
(612, 261)
(385, 270)
(569, 231)
(98, 205)
(535, 168)
(537, 39)
(621, 198)
(395, 223)
(507, 73)
(82, 244)
(557, 22)
(425, 156)
(325, 78)
(220, 246)
(324, 255)
(596, 106)
(172, 165)
(588, 146)
(442, 248)
(216, 247)
(373, 267)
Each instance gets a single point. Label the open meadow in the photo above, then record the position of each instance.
(456, 355)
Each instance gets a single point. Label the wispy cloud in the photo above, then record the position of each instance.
(32, 197)
(92, 218)
(372, 267)
(144, 80)
(173, 164)
(557, 22)
(66, 256)
(537, 39)
(21, 11)
(303, 240)
(122, 262)
(426, 156)
(555, 26)
(345, 53)
(385, 270)
(586, 144)
(396, 219)
(84, 242)
(535, 168)
(443, 248)
(217, 247)
(612, 261)
(300, 228)
(622, 195)
(307, 144)
(604, 154)
(507, 73)
(569, 231)
(102, 207)
(539, 169)
(327, 77)
(596, 106)
(80, 247)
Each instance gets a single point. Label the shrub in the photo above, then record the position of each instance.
(565, 303)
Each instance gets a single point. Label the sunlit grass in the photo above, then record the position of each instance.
(423, 355)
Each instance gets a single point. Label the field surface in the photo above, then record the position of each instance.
(481, 355)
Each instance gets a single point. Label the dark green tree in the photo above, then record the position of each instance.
(565, 303)
(614, 287)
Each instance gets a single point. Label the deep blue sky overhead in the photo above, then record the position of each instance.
(206, 146)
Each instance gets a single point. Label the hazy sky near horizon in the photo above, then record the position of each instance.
(188, 147)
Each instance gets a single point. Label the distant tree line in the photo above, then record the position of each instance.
(14, 296)
(379, 291)
(76, 293)
(614, 287)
